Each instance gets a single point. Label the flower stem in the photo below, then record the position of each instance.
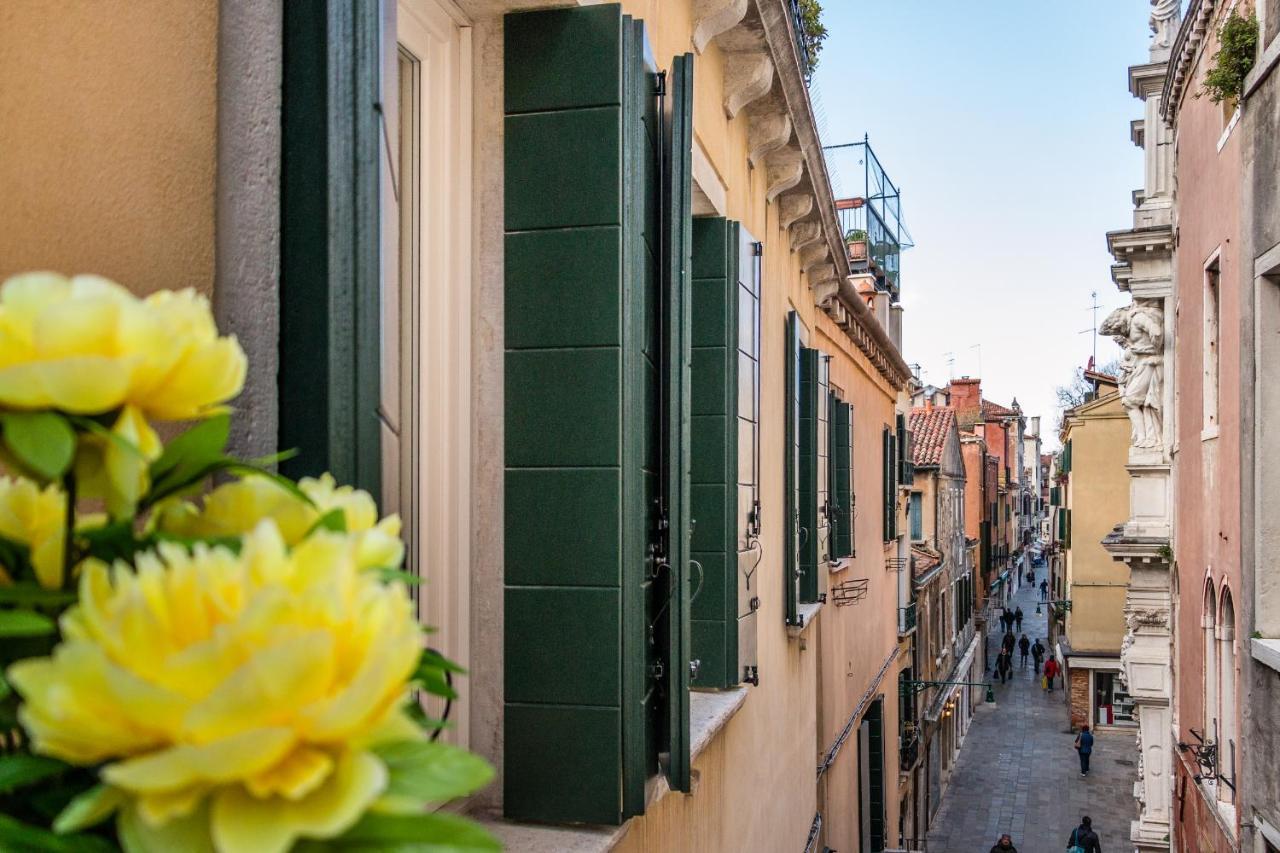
(68, 542)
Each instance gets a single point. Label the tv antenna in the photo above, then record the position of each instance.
(1094, 328)
(951, 365)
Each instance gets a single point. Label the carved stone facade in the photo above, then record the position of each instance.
(1144, 268)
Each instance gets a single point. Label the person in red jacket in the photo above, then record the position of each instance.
(1051, 670)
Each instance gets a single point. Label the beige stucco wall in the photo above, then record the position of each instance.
(108, 138)
(1098, 495)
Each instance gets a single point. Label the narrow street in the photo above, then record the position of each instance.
(1018, 773)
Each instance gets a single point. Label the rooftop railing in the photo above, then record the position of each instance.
(870, 209)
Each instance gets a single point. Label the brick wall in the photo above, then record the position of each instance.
(1078, 697)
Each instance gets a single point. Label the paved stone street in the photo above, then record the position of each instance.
(1018, 772)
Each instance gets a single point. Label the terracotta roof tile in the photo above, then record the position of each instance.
(995, 410)
(929, 428)
(923, 560)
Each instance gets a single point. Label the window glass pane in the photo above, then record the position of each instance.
(746, 321)
(746, 387)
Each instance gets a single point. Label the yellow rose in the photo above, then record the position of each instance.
(86, 345)
(36, 518)
(235, 508)
(236, 698)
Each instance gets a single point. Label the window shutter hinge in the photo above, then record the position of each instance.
(661, 84)
(757, 249)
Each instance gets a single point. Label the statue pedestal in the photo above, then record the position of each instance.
(1148, 495)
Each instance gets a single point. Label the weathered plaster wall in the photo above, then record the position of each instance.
(109, 135)
(1206, 490)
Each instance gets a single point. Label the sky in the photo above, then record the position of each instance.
(1005, 124)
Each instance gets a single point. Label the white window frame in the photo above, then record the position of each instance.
(427, 409)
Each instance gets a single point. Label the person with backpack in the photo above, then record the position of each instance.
(1017, 618)
(1004, 845)
(1037, 654)
(1050, 671)
(1083, 839)
(1084, 747)
(1024, 648)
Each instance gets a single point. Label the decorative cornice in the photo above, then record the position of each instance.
(1186, 47)
(748, 76)
(713, 17)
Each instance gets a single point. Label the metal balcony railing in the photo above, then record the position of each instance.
(870, 211)
(906, 619)
(797, 33)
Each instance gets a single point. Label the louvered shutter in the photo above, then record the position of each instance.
(842, 485)
(810, 366)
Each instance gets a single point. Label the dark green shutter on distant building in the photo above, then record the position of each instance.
(596, 625)
(842, 479)
(791, 466)
(875, 742)
(810, 367)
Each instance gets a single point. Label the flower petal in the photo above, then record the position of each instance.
(221, 761)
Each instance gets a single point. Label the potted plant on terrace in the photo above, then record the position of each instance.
(856, 241)
(228, 672)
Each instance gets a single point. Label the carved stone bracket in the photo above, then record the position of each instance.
(748, 76)
(803, 233)
(825, 290)
(767, 132)
(820, 272)
(785, 169)
(713, 17)
(794, 207)
(814, 253)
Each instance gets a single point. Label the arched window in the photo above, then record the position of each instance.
(1208, 621)
(1227, 737)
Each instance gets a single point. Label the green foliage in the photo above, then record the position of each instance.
(426, 772)
(88, 809)
(22, 769)
(855, 234)
(813, 32)
(43, 443)
(25, 623)
(1237, 51)
(436, 832)
(15, 835)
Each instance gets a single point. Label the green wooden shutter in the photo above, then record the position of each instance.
(330, 271)
(875, 742)
(595, 626)
(791, 563)
(678, 245)
(810, 363)
(842, 487)
(715, 468)
(888, 444)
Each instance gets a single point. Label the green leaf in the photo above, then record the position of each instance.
(5, 689)
(194, 449)
(36, 595)
(14, 556)
(88, 809)
(43, 442)
(25, 623)
(433, 681)
(114, 541)
(335, 520)
(438, 832)
(431, 772)
(22, 768)
(387, 575)
(15, 835)
(432, 658)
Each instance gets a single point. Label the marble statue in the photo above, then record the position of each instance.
(1139, 329)
(1166, 15)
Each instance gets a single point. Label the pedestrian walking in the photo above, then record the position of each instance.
(1044, 590)
(1050, 671)
(1004, 666)
(1008, 642)
(1024, 647)
(1037, 654)
(1017, 618)
(1004, 845)
(1083, 839)
(1084, 746)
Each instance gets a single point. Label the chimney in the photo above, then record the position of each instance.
(966, 398)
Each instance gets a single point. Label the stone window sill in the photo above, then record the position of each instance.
(1266, 652)
(1209, 433)
(834, 566)
(806, 614)
(709, 713)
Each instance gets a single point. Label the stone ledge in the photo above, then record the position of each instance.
(1266, 652)
(709, 712)
(806, 613)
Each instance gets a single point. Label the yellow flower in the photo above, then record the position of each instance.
(36, 518)
(86, 345)
(236, 694)
(117, 469)
(235, 508)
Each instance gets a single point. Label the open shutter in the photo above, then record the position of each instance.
(716, 451)
(596, 627)
(810, 364)
(330, 260)
(791, 563)
(826, 515)
(678, 246)
(749, 521)
(888, 477)
(842, 479)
